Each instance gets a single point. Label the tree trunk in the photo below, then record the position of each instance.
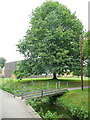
(54, 76)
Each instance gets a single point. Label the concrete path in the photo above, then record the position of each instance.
(11, 107)
(76, 88)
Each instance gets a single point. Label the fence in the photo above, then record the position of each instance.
(43, 90)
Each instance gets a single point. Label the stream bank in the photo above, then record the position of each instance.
(73, 105)
(48, 109)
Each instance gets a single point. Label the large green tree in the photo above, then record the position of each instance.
(51, 44)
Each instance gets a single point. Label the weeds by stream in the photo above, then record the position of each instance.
(68, 106)
(48, 110)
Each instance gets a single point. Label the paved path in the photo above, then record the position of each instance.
(77, 88)
(11, 107)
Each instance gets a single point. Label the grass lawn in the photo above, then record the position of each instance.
(8, 84)
(47, 79)
(80, 101)
(74, 78)
(59, 78)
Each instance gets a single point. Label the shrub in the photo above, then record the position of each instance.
(7, 85)
(49, 116)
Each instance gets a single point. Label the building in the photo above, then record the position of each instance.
(9, 68)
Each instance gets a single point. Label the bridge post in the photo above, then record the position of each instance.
(47, 85)
(22, 92)
(14, 90)
(42, 86)
(42, 90)
(56, 85)
(42, 93)
(59, 84)
(67, 85)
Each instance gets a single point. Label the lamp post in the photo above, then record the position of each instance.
(81, 63)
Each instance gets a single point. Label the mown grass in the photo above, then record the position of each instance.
(75, 78)
(36, 83)
(59, 78)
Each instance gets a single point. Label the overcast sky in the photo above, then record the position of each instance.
(14, 22)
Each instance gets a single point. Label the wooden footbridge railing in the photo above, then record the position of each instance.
(43, 93)
(39, 93)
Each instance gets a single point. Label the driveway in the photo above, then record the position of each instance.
(11, 107)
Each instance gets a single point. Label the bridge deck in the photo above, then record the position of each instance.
(42, 93)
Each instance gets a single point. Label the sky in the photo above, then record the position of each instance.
(15, 18)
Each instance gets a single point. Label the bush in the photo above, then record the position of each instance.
(7, 85)
(38, 106)
(49, 115)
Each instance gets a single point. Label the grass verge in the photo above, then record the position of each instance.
(77, 103)
(59, 78)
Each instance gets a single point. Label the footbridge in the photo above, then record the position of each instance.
(40, 93)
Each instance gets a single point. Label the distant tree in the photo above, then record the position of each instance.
(0, 69)
(86, 45)
(22, 69)
(2, 62)
(86, 54)
(51, 44)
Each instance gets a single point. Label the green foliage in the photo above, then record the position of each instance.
(39, 104)
(51, 43)
(49, 115)
(82, 114)
(7, 85)
(86, 45)
(22, 70)
(86, 70)
(0, 70)
(2, 62)
(32, 103)
(79, 107)
(86, 54)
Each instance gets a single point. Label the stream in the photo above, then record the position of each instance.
(48, 110)
(45, 107)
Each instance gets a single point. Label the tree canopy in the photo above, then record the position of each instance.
(2, 62)
(51, 43)
(86, 45)
(86, 54)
